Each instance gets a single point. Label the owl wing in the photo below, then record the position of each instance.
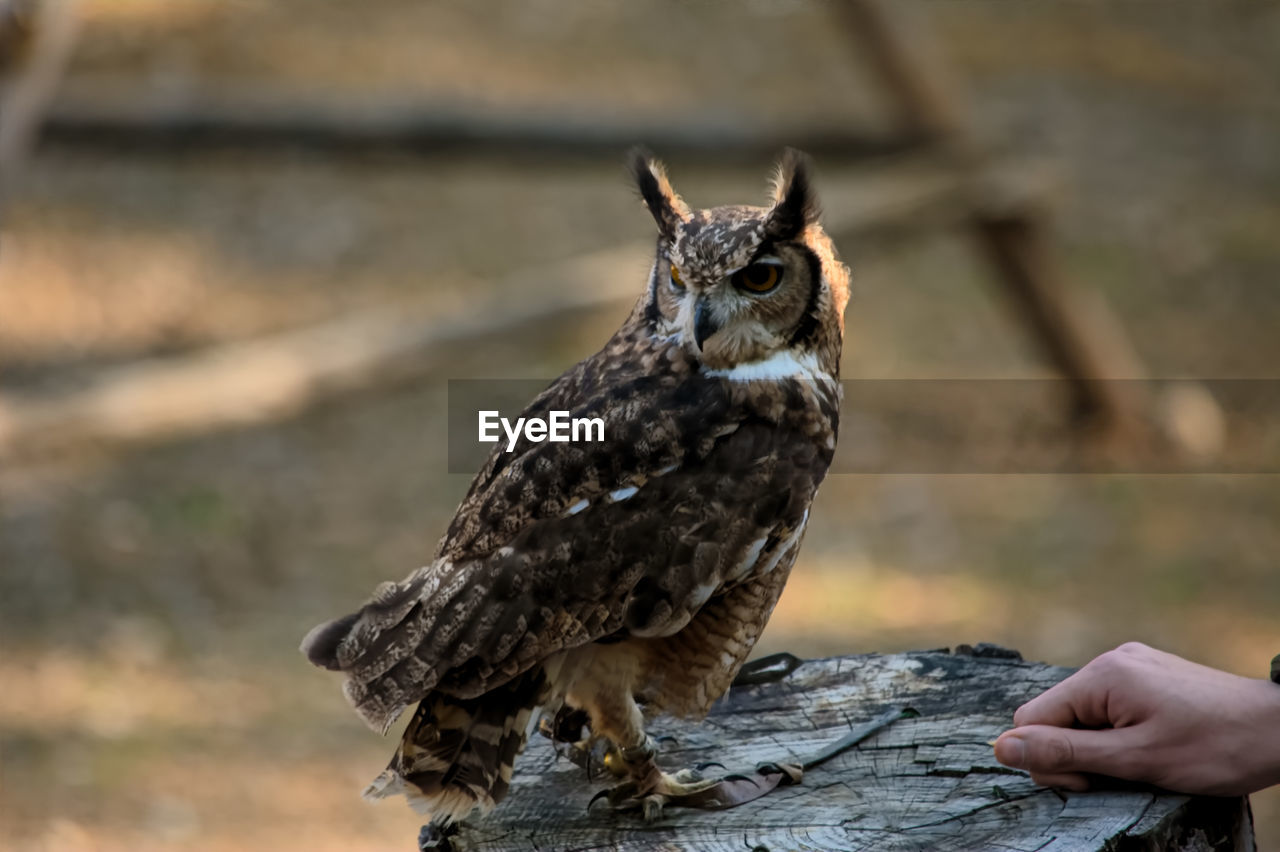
(561, 544)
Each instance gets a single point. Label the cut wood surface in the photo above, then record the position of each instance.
(928, 783)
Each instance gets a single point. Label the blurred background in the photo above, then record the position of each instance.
(257, 239)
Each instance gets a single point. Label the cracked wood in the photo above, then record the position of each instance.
(929, 783)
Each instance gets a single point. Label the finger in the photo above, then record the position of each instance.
(1079, 700)
(1011, 751)
(1052, 707)
(1055, 706)
(1050, 751)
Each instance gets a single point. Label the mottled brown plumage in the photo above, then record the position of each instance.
(646, 564)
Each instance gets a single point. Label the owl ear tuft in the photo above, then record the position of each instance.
(795, 204)
(668, 209)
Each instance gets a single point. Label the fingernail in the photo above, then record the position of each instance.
(1011, 751)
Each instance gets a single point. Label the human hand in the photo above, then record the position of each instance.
(1144, 715)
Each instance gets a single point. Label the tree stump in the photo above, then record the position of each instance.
(925, 783)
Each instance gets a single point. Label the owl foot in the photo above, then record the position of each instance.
(656, 789)
(566, 733)
(649, 789)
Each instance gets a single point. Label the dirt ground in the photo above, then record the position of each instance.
(152, 596)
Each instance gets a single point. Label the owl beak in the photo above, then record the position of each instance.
(703, 324)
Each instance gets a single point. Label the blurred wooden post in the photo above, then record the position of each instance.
(1018, 247)
(926, 783)
(47, 36)
(1092, 355)
(908, 70)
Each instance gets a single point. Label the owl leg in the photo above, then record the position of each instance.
(645, 788)
(648, 789)
(603, 687)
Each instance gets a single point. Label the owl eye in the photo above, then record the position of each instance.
(757, 278)
(676, 281)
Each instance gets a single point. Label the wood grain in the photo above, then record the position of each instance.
(929, 783)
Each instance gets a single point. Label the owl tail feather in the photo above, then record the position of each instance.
(457, 754)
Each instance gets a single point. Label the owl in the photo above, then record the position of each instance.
(640, 569)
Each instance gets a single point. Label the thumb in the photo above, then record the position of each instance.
(1048, 750)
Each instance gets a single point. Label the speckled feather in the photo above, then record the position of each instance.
(669, 541)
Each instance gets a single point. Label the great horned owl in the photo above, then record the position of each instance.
(586, 574)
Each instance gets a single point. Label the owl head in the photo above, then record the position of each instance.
(746, 288)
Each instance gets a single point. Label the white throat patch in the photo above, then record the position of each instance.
(779, 365)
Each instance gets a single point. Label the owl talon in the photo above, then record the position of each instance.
(688, 776)
(738, 776)
(655, 791)
(598, 796)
